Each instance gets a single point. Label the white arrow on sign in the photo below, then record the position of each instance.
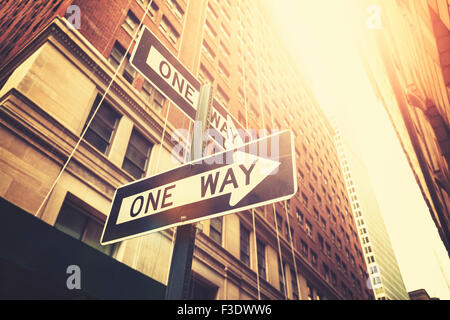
(237, 179)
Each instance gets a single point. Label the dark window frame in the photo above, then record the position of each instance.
(132, 149)
(244, 247)
(100, 119)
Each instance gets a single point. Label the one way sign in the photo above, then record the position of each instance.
(254, 174)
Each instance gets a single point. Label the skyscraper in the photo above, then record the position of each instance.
(385, 277)
(407, 61)
(305, 248)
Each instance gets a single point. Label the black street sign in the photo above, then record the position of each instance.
(257, 173)
(159, 66)
(164, 71)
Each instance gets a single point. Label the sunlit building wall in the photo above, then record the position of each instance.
(306, 248)
(407, 60)
(385, 277)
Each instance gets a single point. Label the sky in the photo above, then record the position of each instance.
(320, 35)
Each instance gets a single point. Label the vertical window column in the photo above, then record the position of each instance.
(245, 245)
(102, 127)
(215, 229)
(261, 250)
(137, 155)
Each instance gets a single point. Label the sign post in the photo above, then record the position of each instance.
(179, 283)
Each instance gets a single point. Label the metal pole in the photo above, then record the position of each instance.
(179, 283)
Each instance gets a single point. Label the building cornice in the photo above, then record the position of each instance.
(90, 61)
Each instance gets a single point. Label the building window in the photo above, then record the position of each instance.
(129, 73)
(212, 11)
(204, 76)
(326, 271)
(377, 280)
(304, 199)
(320, 240)
(299, 217)
(294, 284)
(201, 290)
(153, 10)
(339, 243)
(373, 269)
(333, 279)
(206, 49)
(153, 7)
(146, 91)
(137, 155)
(308, 228)
(175, 8)
(353, 279)
(338, 261)
(131, 23)
(313, 258)
(225, 32)
(158, 101)
(224, 49)
(100, 131)
(215, 229)
(323, 223)
(286, 231)
(144, 3)
(210, 30)
(261, 250)
(80, 225)
(316, 214)
(224, 72)
(279, 222)
(312, 188)
(310, 291)
(116, 56)
(344, 268)
(281, 276)
(304, 248)
(328, 249)
(222, 96)
(245, 245)
(152, 96)
(169, 31)
(344, 289)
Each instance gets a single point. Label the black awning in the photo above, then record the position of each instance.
(34, 258)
